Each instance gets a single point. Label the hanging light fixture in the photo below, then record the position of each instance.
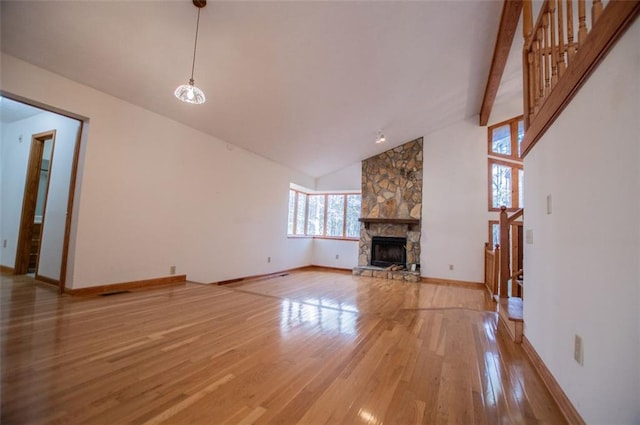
(189, 93)
(381, 138)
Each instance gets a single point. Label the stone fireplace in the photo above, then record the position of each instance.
(391, 211)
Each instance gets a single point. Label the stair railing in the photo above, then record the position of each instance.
(505, 252)
(491, 267)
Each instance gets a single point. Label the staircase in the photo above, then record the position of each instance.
(505, 284)
(510, 318)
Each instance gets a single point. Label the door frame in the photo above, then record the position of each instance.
(72, 178)
(30, 199)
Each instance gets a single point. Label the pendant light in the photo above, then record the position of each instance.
(189, 93)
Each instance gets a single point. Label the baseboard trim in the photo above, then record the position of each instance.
(564, 404)
(6, 269)
(46, 279)
(463, 283)
(329, 269)
(280, 273)
(124, 286)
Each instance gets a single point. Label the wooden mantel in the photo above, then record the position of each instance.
(410, 221)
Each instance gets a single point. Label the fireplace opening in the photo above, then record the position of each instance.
(388, 251)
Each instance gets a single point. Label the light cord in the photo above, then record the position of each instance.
(195, 46)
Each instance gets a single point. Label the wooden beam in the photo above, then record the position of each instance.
(507, 30)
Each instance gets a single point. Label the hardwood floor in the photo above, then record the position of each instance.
(311, 347)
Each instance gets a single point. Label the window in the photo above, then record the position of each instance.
(292, 212)
(335, 215)
(505, 139)
(494, 232)
(505, 184)
(354, 206)
(324, 215)
(301, 212)
(505, 173)
(315, 220)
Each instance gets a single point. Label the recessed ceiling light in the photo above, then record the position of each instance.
(381, 138)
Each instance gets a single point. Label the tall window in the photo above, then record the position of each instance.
(301, 212)
(324, 215)
(315, 218)
(505, 173)
(354, 206)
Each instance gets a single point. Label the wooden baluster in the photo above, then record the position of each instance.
(596, 11)
(571, 48)
(554, 48)
(504, 253)
(487, 265)
(582, 23)
(546, 56)
(527, 62)
(539, 70)
(532, 87)
(496, 269)
(562, 66)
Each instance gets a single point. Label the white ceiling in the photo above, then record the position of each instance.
(11, 111)
(306, 84)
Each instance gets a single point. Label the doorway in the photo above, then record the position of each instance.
(40, 150)
(34, 203)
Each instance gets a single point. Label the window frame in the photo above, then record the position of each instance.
(513, 161)
(324, 229)
(513, 127)
(515, 183)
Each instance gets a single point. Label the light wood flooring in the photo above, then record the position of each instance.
(311, 347)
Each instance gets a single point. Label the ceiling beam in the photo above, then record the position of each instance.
(508, 24)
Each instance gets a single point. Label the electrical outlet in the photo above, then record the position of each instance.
(337, 256)
(450, 266)
(578, 350)
(268, 259)
(172, 270)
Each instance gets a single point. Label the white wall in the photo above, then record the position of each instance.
(454, 202)
(348, 178)
(326, 250)
(582, 273)
(156, 193)
(15, 155)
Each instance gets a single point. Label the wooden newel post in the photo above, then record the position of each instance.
(504, 253)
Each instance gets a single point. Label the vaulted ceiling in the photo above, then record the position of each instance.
(306, 84)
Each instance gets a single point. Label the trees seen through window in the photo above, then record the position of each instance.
(324, 215)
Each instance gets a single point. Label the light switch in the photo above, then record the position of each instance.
(549, 204)
(529, 236)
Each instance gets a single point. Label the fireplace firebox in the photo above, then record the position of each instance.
(388, 251)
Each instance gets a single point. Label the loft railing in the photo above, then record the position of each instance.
(562, 50)
(551, 45)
